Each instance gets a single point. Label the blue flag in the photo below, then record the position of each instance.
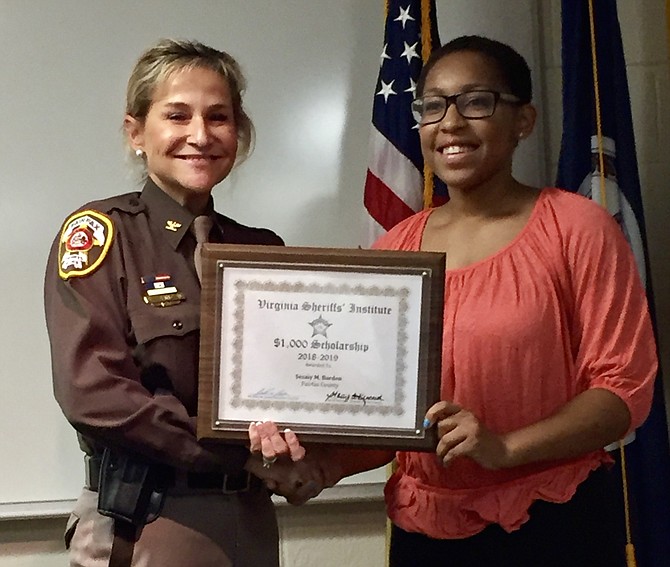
(584, 158)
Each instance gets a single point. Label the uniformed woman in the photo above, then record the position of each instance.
(122, 301)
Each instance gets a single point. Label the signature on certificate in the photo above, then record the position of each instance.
(354, 397)
(272, 394)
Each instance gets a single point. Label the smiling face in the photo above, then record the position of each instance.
(189, 135)
(464, 153)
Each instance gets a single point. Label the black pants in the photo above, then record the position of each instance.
(587, 531)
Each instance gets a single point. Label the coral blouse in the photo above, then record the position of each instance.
(559, 310)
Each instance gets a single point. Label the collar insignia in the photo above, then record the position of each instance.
(172, 225)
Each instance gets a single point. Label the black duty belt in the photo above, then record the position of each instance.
(215, 481)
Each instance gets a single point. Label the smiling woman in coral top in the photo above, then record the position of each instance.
(548, 353)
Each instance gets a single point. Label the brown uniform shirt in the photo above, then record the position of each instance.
(109, 348)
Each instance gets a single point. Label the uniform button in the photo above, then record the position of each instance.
(177, 324)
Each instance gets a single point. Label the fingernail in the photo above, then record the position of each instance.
(426, 423)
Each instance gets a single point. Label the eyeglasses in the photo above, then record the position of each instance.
(471, 105)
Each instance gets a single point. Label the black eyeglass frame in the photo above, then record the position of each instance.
(453, 99)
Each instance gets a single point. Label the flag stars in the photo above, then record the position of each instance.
(404, 17)
(387, 90)
(412, 87)
(410, 51)
(384, 55)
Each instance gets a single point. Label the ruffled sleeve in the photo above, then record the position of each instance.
(611, 332)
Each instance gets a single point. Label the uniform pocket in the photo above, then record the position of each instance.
(150, 322)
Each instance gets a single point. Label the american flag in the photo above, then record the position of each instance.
(394, 186)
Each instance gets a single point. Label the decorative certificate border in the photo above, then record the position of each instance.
(241, 286)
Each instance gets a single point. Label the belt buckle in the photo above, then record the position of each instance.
(247, 485)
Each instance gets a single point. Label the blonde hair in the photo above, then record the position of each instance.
(157, 63)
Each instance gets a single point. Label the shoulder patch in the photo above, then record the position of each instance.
(84, 243)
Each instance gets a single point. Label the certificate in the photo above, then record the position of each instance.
(340, 345)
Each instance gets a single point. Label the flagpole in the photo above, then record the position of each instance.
(389, 467)
(596, 88)
(630, 548)
(426, 48)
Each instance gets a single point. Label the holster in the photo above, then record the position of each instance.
(130, 488)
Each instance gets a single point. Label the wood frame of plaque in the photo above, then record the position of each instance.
(244, 354)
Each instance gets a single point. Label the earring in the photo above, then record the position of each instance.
(521, 135)
(139, 152)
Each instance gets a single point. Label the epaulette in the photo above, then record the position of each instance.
(127, 203)
(243, 233)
